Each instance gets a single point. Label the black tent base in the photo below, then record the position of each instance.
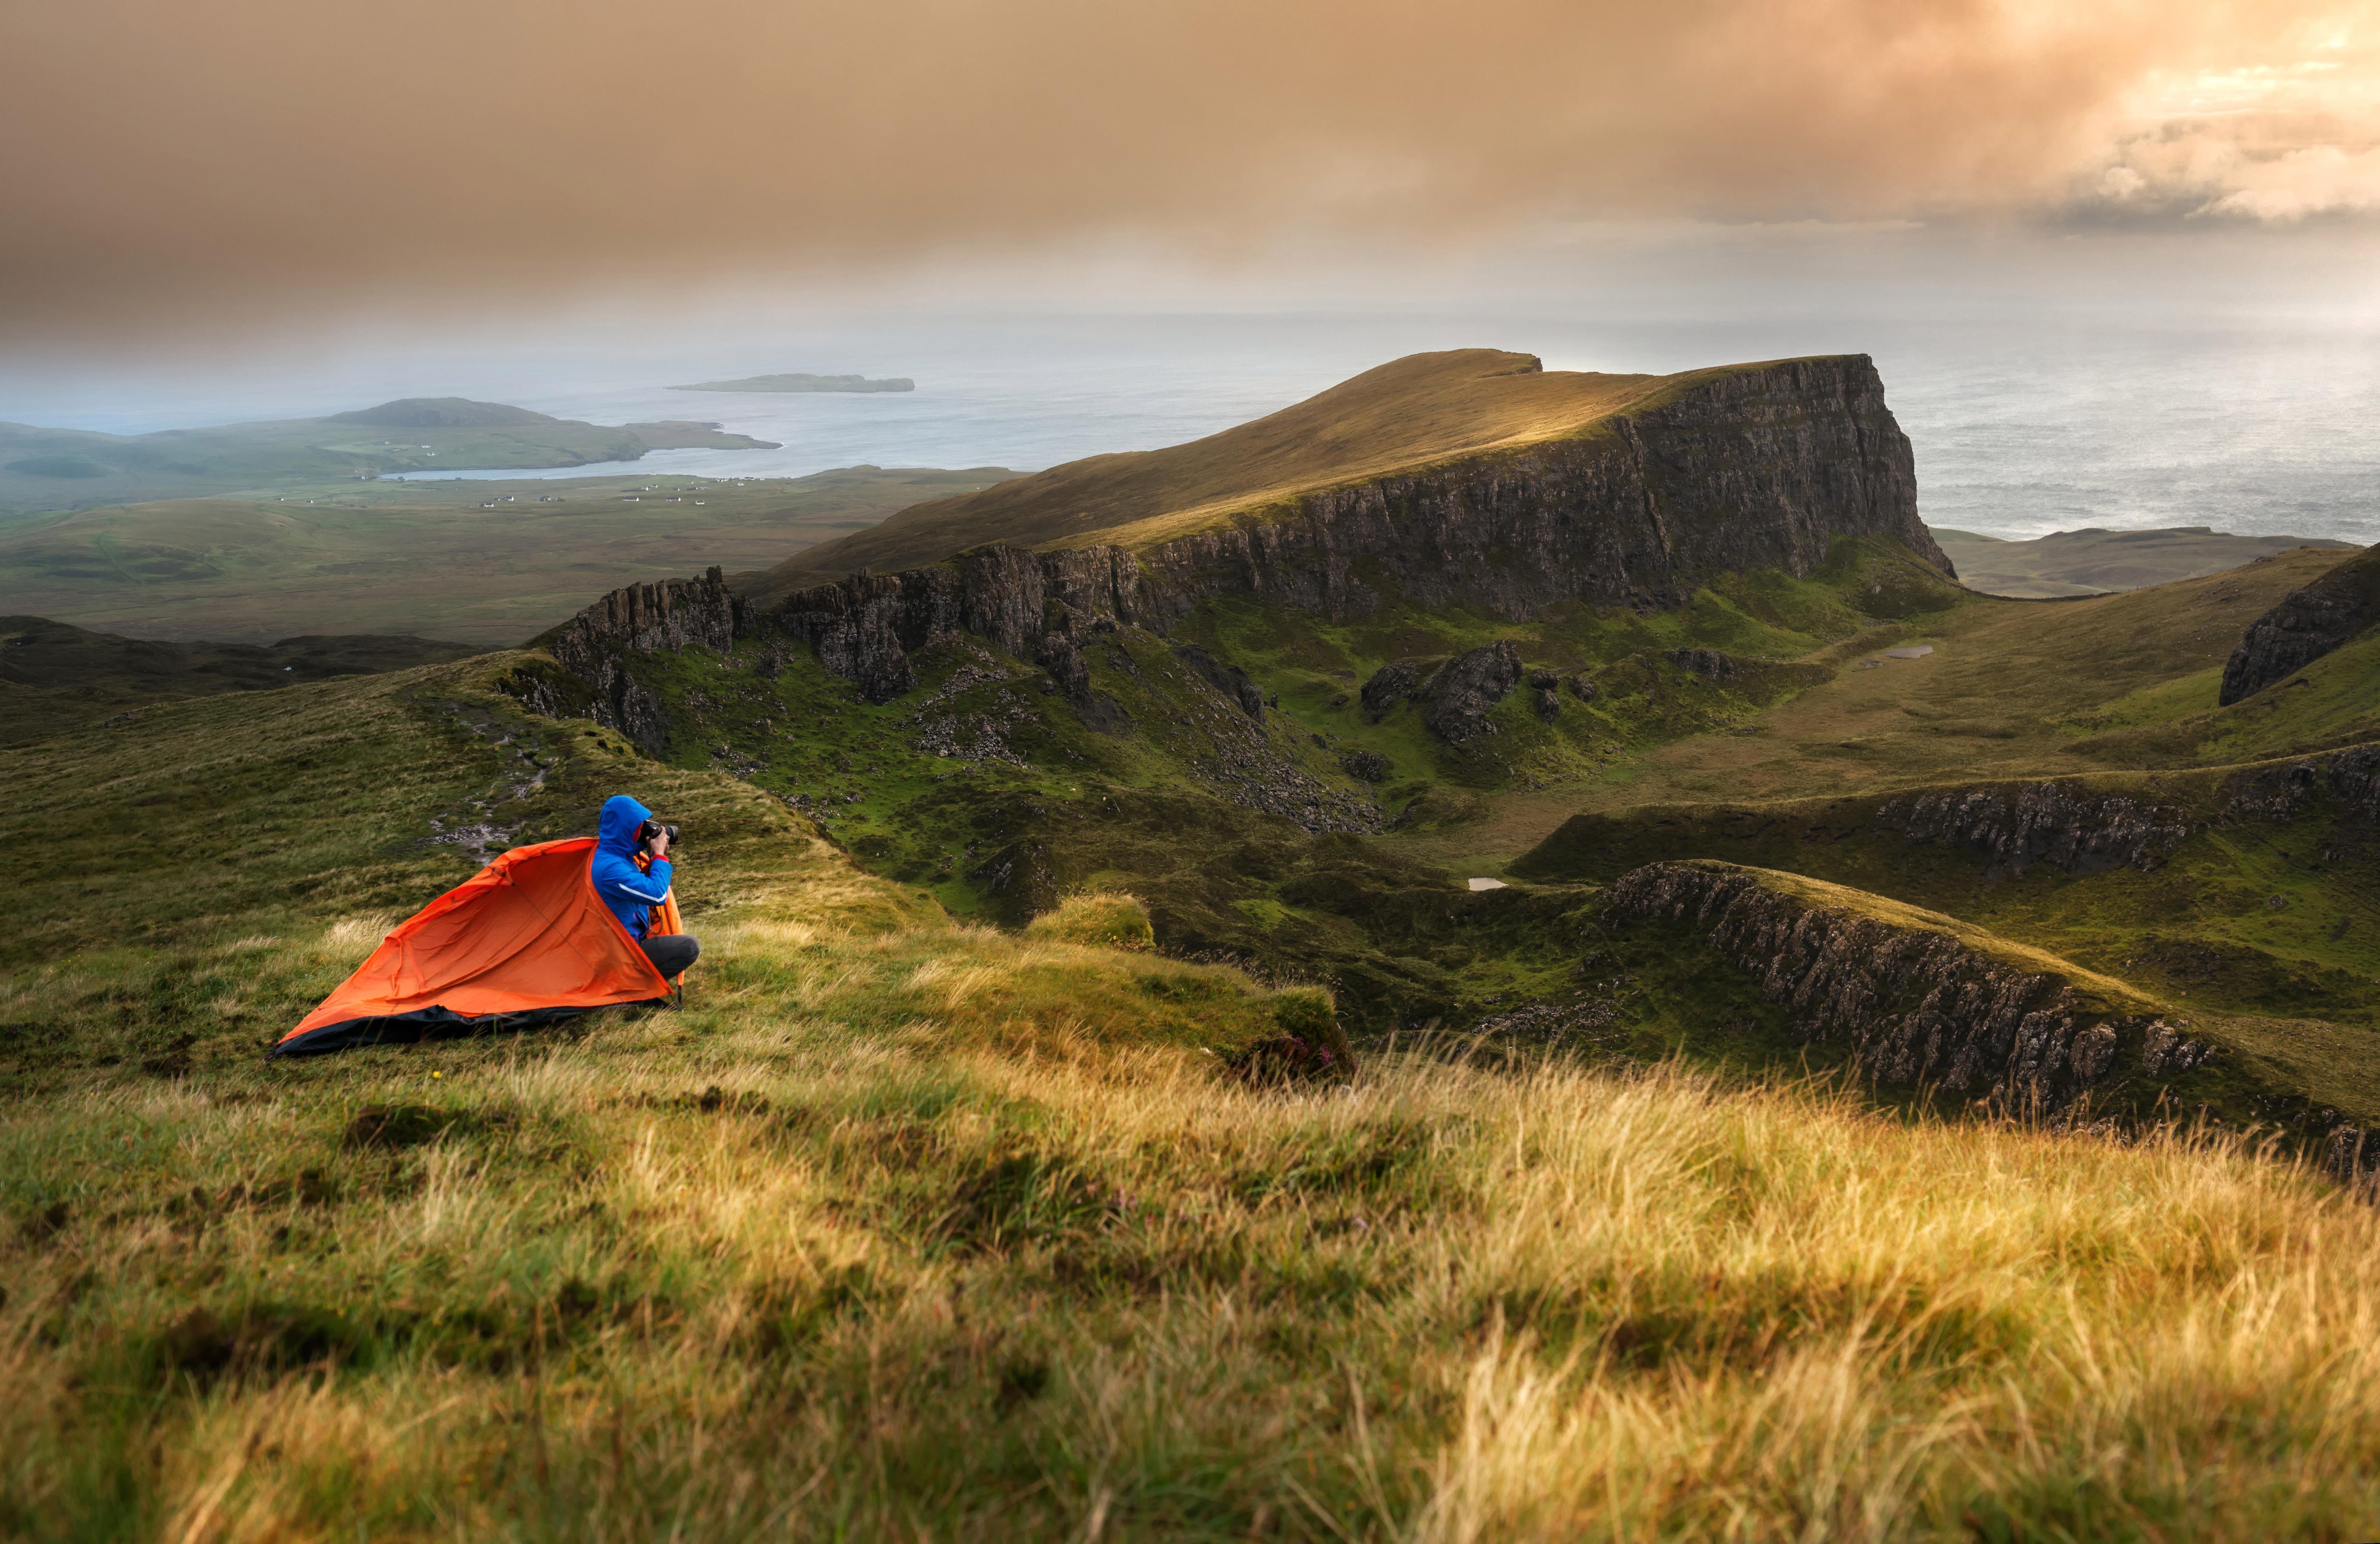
(422, 1024)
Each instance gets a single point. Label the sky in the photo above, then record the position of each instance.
(256, 180)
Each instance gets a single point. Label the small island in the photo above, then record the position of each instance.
(804, 384)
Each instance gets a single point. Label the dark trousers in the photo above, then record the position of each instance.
(670, 953)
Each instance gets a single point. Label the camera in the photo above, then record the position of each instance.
(652, 829)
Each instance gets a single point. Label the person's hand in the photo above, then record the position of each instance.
(658, 845)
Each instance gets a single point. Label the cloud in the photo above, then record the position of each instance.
(174, 166)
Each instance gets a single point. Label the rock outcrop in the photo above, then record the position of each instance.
(1389, 685)
(1708, 664)
(2275, 792)
(1460, 694)
(1231, 680)
(865, 626)
(2308, 623)
(1457, 695)
(2066, 825)
(643, 619)
(1915, 1004)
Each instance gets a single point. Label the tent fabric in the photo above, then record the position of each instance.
(524, 941)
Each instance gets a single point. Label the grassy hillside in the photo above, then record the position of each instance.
(2094, 562)
(1767, 722)
(1408, 413)
(987, 786)
(489, 563)
(73, 469)
(2013, 688)
(905, 1229)
(54, 676)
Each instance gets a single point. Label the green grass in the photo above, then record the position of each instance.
(909, 1228)
(950, 1234)
(2011, 690)
(54, 676)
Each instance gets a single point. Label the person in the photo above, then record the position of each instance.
(634, 891)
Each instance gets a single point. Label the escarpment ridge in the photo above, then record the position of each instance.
(1914, 997)
(1618, 485)
(2308, 623)
(1473, 478)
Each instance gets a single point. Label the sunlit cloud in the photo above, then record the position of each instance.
(176, 166)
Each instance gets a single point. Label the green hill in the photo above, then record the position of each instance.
(441, 413)
(52, 676)
(1302, 777)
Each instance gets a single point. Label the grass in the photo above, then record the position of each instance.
(947, 1236)
(423, 557)
(2013, 689)
(53, 676)
(906, 1228)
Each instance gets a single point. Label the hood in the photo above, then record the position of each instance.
(616, 830)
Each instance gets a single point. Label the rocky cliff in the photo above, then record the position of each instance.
(2308, 623)
(1754, 468)
(2066, 824)
(2275, 792)
(1916, 1006)
(1034, 606)
(642, 619)
(1758, 469)
(1759, 466)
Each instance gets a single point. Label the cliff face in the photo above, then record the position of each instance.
(642, 619)
(1758, 469)
(1916, 1005)
(2275, 793)
(2308, 623)
(1035, 606)
(2064, 825)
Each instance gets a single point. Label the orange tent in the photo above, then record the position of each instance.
(522, 941)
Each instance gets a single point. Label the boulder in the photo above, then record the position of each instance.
(2308, 623)
(1458, 697)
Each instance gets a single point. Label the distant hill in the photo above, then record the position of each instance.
(804, 383)
(2094, 562)
(441, 413)
(1406, 418)
(54, 468)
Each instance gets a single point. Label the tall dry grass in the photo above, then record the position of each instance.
(963, 1236)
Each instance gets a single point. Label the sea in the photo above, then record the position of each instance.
(2022, 425)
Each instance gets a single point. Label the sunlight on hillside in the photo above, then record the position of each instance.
(968, 1235)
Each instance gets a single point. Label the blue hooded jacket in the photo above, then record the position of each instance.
(629, 891)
